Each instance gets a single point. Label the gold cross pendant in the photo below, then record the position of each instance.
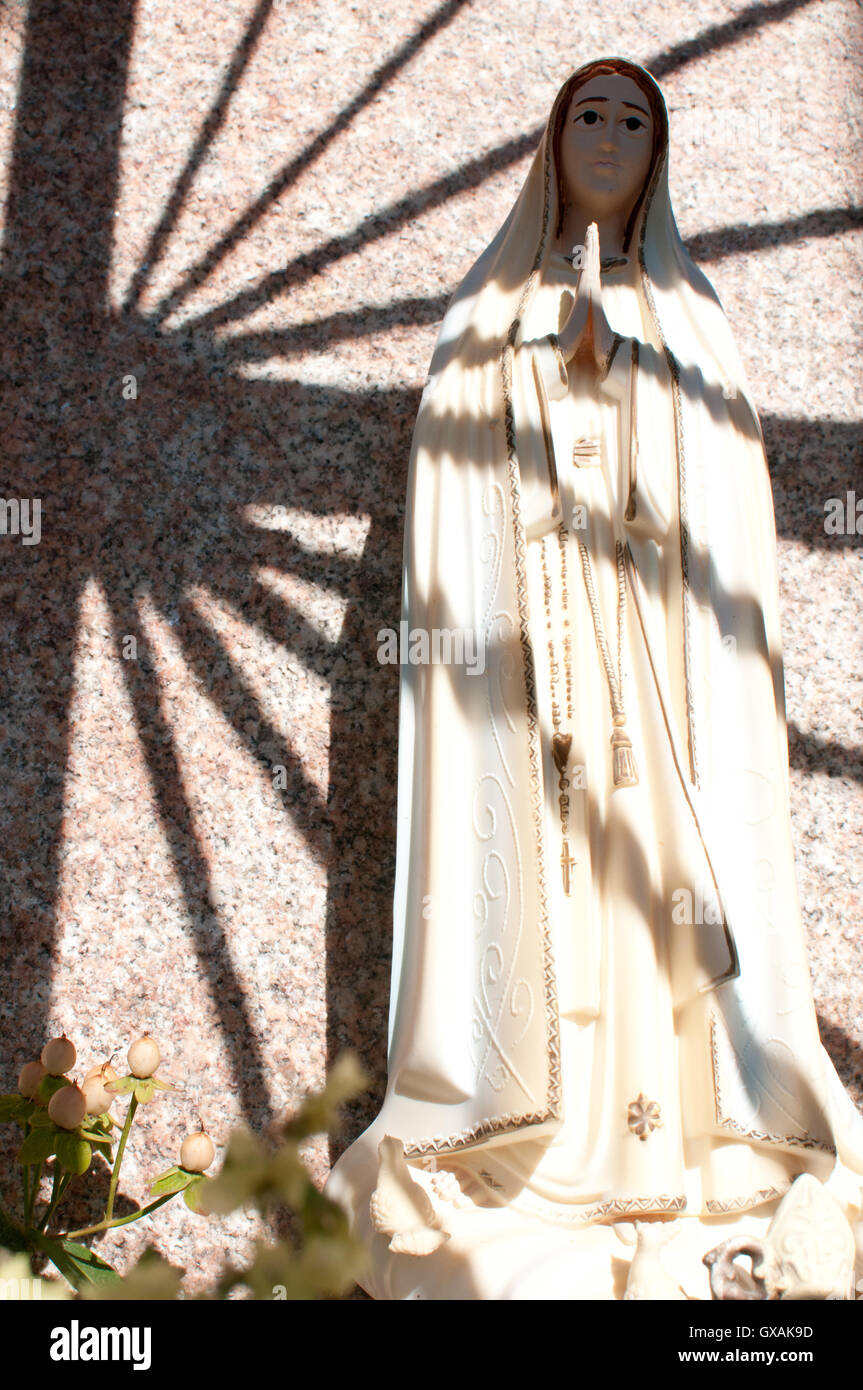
(567, 863)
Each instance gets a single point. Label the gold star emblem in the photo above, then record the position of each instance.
(643, 1116)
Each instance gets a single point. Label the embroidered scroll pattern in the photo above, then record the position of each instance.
(498, 990)
(682, 495)
(496, 627)
(725, 1121)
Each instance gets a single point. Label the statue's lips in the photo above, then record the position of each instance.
(605, 164)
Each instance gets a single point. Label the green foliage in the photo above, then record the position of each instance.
(142, 1088)
(152, 1280)
(82, 1267)
(15, 1108)
(321, 1260)
(49, 1086)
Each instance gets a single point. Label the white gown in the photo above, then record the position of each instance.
(634, 981)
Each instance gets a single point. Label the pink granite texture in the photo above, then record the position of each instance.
(258, 212)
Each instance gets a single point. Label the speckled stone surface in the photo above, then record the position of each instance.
(258, 214)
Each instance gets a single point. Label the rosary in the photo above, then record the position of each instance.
(624, 769)
(561, 743)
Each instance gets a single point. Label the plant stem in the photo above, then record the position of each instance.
(55, 1196)
(121, 1148)
(35, 1180)
(61, 1193)
(118, 1220)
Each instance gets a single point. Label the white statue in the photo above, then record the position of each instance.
(601, 1008)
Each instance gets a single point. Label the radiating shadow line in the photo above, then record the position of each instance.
(371, 229)
(414, 311)
(277, 549)
(809, 753)
(190, 866)
(309, 156)
(743, 237)
(721, 36)
(811, 461)
(737, 239)
(284, 626)
(230, 693)
(209, 130)
(509, 152)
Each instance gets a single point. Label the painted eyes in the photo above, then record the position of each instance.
(591, 118)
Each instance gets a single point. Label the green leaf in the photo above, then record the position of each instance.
(76, 1263)
(152, 1278)
(122, 1086)
(194, 1195)
(145, 1089)
(161, 1085)
(100, 1125)
(49, 1086)
(73, 1152)
(11, 1108)
(172, 1180)
(40, 1119)
(39, 1145)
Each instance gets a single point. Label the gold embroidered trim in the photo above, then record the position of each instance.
(503, 1124)
(500, 1124)
(617, 1205)
(718, 1206)
(682, 497)
(630, 513)
(798, 1141)
(622, 1206)
(554, 1108)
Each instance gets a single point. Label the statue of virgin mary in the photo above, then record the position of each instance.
(601, 1009)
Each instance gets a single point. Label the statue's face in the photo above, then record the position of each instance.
(605, 146)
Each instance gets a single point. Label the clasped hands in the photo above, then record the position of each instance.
(587, 337)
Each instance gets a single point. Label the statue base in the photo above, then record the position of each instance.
(428, 1239)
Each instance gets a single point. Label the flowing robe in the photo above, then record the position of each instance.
(643, 939)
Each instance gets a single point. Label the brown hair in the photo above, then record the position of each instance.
(616, 67)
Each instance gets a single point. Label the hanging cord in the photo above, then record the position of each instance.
(624, 769)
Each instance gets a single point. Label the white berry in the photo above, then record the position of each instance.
(58, 1056)
(29, 1077)
(99, 1100)
(197, 1152)
(68, 1107)
(143, 1057)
